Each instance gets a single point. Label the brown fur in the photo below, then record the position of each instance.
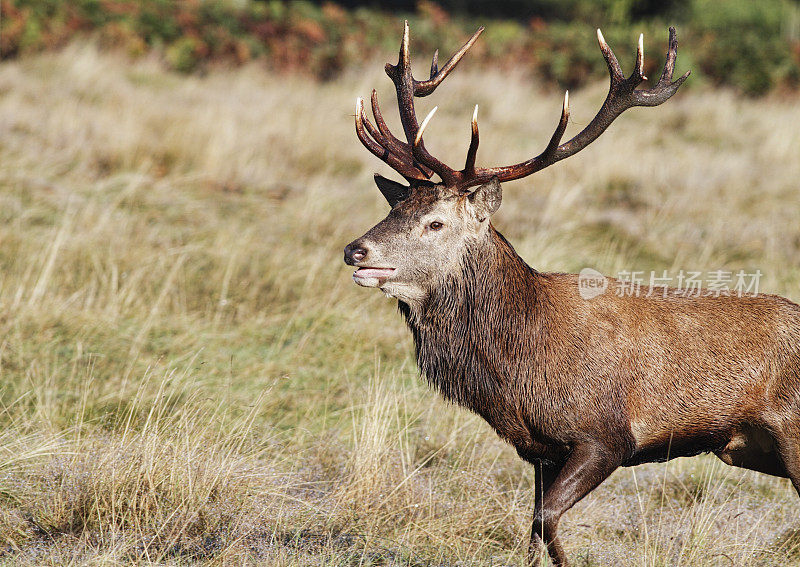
(580, 387)
(546, 367)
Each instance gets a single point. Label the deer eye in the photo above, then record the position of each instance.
(435, 225)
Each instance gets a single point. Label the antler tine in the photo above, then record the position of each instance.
(388, 140)
(368, 142)
(363, 126)
(424, 88)
(472, 176)
(665, 87)
(469, 165)
(555, 139)
(407, 88)
(449, 176)
(379, 121)
(672, 54)
(418, 139)
(611, 60)
(386, 143)
(639, 70)
(622, 95)
(614, 68)
(409, 158)
(374, 133)
(405, 56)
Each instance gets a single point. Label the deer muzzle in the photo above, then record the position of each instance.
(355, 254)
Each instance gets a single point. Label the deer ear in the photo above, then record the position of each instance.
(486, 198)
(393, 191)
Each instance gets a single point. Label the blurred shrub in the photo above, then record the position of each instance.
(746, 43)
(183, 54)
(754, 46)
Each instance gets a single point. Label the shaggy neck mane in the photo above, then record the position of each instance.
(474, 329)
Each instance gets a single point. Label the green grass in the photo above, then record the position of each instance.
(188, 374)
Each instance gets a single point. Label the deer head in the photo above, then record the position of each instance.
(433, 224)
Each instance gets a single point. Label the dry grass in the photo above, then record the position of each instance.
(189, 375)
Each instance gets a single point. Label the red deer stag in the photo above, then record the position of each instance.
(578, 387)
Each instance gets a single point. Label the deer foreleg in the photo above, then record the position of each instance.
(587, 466)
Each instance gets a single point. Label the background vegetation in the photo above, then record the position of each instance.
(753, 46)
(188, 374)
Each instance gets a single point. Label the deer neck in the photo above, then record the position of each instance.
(471, 330)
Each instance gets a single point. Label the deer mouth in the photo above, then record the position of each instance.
(372, 277)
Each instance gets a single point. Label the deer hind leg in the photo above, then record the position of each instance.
(788, 442)
(587, 466)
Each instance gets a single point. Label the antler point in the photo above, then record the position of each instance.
(404, 46)
(424, 124)
(640, 57)
(600, 39)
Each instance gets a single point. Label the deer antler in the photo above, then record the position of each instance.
(410, 158)
(622, 95)
(414, 162)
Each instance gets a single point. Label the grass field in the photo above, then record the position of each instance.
(189, 375)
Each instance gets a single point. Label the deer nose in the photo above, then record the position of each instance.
(354, 253)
